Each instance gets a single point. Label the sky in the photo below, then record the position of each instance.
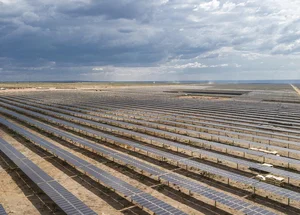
(149, 40)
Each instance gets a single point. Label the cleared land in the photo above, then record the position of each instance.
(163, 149)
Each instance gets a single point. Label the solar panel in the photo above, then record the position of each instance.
(148, 108)
(203, 118)
(210, 112)
(186, 183)
(223, 148)
(278, 172)
(11, 150)
(242, 143)
(147, 168)
(202, 152)
(154, 205)
(216, 171)
(190, 163)
(286, 152)
(257, 210)
(2, 211)
(207, 168)
(206, 192)
(279, 191)
(63, 198)
(103, 177)
(283, 143)
(156, 106)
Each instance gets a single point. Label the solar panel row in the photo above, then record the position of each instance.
(271, 191)
(241, 143)
(208, 122)
(238, 107)
(205, 119)
(185, 110)
(204, 124)
(126, 190)
(193, 188)
(227, 140)
(169, 135)
(233, 162)
(190, 130)
(254, 155)
(183, 114)
(62, 197)
(214, 110)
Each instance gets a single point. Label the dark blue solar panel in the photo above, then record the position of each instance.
(63, 198)
(116, 184)
(105, 178)
(210, 169)
(2, 211)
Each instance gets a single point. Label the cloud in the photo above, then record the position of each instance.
(165, 36)
(190, 65)
(97, 69)
(197, 65)
(209, 6)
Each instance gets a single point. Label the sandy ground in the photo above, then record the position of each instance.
(28, 87)
(204, 97)
(36, 87)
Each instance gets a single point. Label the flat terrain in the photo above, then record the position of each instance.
(277, 87)
(153, 148)
(76, 85)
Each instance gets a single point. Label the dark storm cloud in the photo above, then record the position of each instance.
(67, 39)
(50, 31)
(113, 9)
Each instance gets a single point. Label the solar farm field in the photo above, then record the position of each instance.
(151, 150)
